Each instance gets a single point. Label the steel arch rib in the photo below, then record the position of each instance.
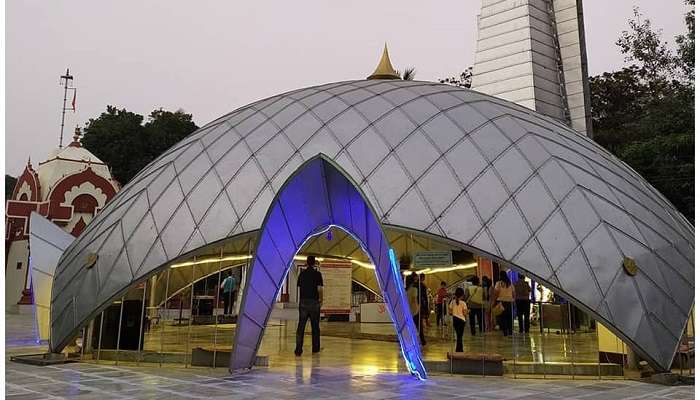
(316, 197)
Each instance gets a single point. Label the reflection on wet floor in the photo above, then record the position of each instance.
(345, 369)
(376, 344)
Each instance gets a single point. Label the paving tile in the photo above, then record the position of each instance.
(27, 396)
(347, 369)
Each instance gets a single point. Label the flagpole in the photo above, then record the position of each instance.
(64, 79)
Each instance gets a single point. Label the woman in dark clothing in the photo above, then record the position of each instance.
(424, 307)
(486, 310)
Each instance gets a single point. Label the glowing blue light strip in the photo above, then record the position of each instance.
(412, 355)
(410, 351)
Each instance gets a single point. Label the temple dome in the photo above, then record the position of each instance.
(490, 175)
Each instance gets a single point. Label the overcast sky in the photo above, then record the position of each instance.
(210, 57)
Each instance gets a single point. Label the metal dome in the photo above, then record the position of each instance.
(493, 176)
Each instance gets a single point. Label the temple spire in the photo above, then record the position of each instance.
(384, 70)
(76, 137)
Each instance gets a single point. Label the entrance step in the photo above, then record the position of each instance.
(534, 369)
(44, 359)
(207, 358)
(198, 358)
(26, 309)
(563, 368)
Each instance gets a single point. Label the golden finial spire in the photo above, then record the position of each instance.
(384, 70)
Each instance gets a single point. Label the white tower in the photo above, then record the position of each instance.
(533, 52)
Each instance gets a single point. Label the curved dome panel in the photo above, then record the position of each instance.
(454, 163)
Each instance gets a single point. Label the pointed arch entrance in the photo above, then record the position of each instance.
(316, 197)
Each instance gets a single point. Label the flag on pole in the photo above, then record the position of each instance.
(75, 91)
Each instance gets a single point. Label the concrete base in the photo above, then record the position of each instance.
(521, 368)
(207, 358)
(198, 358)
(465, 367)
(672, 379)
(24, 309)
(561, 368)
(144, 356)
(45, 359)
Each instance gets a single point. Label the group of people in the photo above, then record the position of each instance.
(477, 305)
(481, 301)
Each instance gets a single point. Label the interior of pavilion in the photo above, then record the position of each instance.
(180, 315)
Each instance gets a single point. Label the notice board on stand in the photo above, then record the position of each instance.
(337, 287)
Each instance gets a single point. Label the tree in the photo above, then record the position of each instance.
(667, 162)
(463, 80)
(644, 113)
(164, 129)
(686, 44)
(643, 44)
(126, 145)
(10, 182)
(408, 74)
(615, 106)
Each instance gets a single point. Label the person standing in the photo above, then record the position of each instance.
(458, 310)
(310, 283)
(424, 298)
(412, 292)
(522, 304)
(487, 288)
(475, 303)
(228, 287)
(504, 294)
(440, 304)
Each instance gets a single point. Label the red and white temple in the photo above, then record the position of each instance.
(69, 188)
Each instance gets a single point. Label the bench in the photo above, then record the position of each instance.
(476, 363)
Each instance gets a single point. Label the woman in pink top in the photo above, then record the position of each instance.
(459, 311)
(504, 294)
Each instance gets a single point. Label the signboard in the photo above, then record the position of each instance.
(374, 313)
(426, 259)
(337, 287)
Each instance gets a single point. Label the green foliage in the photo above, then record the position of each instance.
(686, 44)
(126, 145)
(645, 113)
(463, 80)
(10, 182)
(643, 44)
(408, 74)
(615, 106)
(667, 162)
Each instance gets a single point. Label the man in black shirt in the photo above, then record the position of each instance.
(310, 283)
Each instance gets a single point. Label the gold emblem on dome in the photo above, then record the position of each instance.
(630, 266)
(384, 70)
(90, 260)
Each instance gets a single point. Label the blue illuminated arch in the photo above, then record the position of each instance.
(316, 197)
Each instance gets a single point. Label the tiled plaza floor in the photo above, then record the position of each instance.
(322, 376)
(306, 380)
